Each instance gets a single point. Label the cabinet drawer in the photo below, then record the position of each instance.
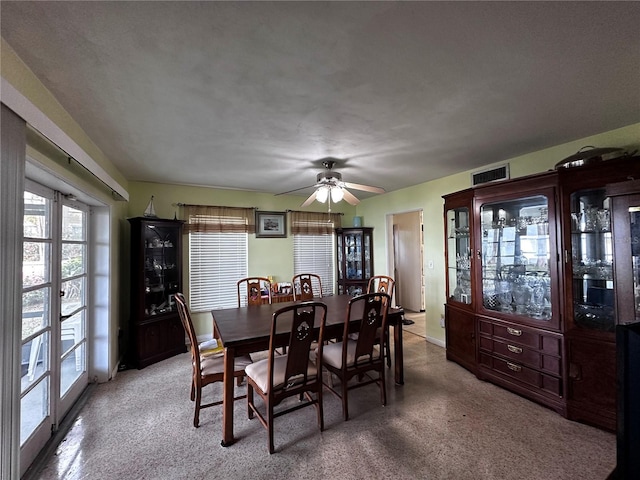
(522, 355)
(523, 374)
(524, 336)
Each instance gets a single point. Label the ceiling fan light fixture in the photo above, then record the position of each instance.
(322, 194)
(336, 194)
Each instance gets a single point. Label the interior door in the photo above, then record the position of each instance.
(407, 244)
(54, 314)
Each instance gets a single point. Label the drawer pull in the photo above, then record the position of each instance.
(514, 332)
(514, 367)
(514, 349)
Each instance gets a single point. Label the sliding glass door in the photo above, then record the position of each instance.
(54, 313)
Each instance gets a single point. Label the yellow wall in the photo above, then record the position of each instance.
(428, 197)
(267, 256)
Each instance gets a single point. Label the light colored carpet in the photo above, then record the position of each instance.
(442, 424)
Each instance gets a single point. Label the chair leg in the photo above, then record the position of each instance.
(193, 390)
(270, 426)
(383, 386)
(196, 415)
(387, 349)
(345, 406)
(320, 409)
(249, 400)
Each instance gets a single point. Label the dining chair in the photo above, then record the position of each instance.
(207, 360)
(295, 373)
(303, 286)
(356, 357)
(250, 291)
(386, 284)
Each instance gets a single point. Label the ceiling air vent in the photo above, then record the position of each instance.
(492, 175)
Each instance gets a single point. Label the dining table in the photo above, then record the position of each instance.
(246, 330)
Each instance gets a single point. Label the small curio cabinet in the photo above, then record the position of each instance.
(156, 276)
(460, 328)
(354, 259)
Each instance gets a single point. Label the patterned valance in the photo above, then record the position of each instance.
(203, 218)
(314, 223)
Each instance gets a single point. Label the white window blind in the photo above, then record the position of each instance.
(315, 254)
(217, 260)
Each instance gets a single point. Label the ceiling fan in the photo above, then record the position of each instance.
(329, 186)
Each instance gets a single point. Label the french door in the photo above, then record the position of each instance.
(54, 314)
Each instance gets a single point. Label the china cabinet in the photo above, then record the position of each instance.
(354, 259)
(625, 199)
(156, 276)
(532, 283)
(460, 327)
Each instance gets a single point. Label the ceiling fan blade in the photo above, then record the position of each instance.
(310, 200)
(349, 197)
(365, 188)
(295, 190)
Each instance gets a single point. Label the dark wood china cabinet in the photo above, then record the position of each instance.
(156, 276)
(354, 259)
(531, 288)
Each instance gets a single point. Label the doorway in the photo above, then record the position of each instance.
(55, 314)
(406, 263)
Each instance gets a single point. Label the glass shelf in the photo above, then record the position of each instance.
(592, 260)
(515, 257)
(459, 255)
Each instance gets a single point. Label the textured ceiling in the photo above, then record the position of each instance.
(251, 95)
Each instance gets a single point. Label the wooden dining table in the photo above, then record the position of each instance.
(246, 330)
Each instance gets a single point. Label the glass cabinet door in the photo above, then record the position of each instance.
(634, 240)
(516, 253)
(161, 271)
(459, 255)
(353, 252)
(592, 260)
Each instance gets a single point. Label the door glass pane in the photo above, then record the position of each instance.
(634, 224)
(73, 259)
(73, 295)
(36, 263)
(34, 408)
(515, 257)
(592, 260)
(72, 345)
(73, 225)
(37, 216)
(459, 255)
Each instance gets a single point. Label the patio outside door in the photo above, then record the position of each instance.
(54, 314)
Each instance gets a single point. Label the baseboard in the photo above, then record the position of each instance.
(436, 341)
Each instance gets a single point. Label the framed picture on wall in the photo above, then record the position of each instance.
(271, 224)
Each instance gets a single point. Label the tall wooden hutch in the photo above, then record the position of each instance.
(531, 290)
(156, 276)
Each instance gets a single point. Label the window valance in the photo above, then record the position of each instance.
(314, 223)
(206, 218)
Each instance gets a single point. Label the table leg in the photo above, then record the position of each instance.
(228, 398)
(398, 353)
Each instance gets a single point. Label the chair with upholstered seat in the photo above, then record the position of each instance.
(306, 286)
(207, 361)
(357, 357)
(385, 284)
(279, 377)
(250, 291)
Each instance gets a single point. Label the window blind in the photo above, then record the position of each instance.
(315, 254)
(217, 261)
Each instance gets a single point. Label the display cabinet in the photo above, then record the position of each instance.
(549, 280)
(625, 203)
(517, 283)
(156, 276)
(354, 259)
(460, 325)
(591, 288)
